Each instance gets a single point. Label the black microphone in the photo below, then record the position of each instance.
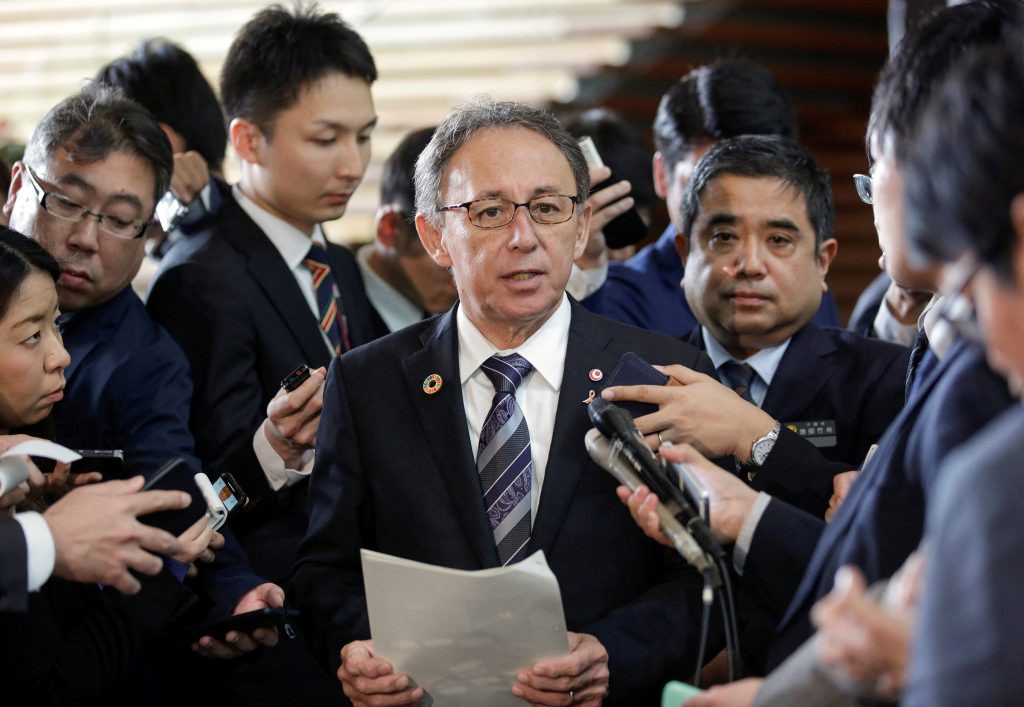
(617, 425)
(611, 457)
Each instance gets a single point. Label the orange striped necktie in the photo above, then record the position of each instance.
(328, 300)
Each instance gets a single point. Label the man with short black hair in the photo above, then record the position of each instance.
(403, 283)
(260, 290)
(710, 103)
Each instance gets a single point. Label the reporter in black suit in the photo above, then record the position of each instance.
(243, 297)
(399, 475)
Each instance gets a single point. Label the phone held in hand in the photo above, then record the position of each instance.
(633, 370)
(296, 378)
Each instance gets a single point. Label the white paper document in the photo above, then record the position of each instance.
(462, 636)
(14, 470)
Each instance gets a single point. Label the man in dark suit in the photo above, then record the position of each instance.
(756, 238)
(969, 616)
(86, 191)
(260, 290)
(710, 103)
(400, 477)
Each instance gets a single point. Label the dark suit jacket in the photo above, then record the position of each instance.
(234, 307)
(831, 374)
(128, 387)
(970, 622)
(794, 557)
(862, 319)
(645, 291)
(80, 644)
(13, 567)
(400, 478)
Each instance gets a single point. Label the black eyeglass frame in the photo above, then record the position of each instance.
(41, 199)
(515, 207)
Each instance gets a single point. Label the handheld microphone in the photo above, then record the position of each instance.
(617, 425)
(610, 457)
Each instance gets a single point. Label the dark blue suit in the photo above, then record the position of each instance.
(645, 292)
(794, 556)
(970, 623)
(128, 387)
(862, 319)
(230, 301)
(401, 478)
(831, 374)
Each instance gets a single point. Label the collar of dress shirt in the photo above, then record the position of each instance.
(393, 307)
(940, 334)
(765, 361)
(545, 350)
(290, 242)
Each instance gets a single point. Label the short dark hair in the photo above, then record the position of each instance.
(99, 120)
(719, 101)
(965, 164)
(924, 56)
(166, 80)
(278, 54)
(621, 149)
(483, 113)
(397, 183)
(760, 156)
(19, 256)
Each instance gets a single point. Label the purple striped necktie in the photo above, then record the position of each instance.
(504, 460)
(328, 300)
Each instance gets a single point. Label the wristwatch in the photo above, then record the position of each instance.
(760, 450)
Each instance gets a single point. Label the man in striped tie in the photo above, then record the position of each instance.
(459, 441)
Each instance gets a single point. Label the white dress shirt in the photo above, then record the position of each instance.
(40, 550)
(537, 396)
(393, 307)
(293, 245)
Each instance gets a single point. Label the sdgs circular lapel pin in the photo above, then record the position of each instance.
(432, 384)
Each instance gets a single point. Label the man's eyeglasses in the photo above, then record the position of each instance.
(863, 184)
(547, 210)
(67, 210)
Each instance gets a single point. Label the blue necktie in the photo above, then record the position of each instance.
(328, 300)
(504, 461)
(739, 377)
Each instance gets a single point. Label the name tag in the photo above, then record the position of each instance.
(820, 433)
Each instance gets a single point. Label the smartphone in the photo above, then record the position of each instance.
(243, 623)
(170, 211)
(296, 378)
(230, 492)
(633, 370)
(109, 462)
(625, 229)
(175, 475)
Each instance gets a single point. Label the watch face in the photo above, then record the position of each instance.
(760, 451)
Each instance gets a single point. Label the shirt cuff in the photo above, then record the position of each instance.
(583, 283)
(42, 553)
(278, 476)
(743, 541)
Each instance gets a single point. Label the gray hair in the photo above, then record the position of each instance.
(467, 120)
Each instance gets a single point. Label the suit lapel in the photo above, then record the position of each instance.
(272, 275)
(801, 374)
(587, 349)
(87, 329)
(442, 417)
(889, 444)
